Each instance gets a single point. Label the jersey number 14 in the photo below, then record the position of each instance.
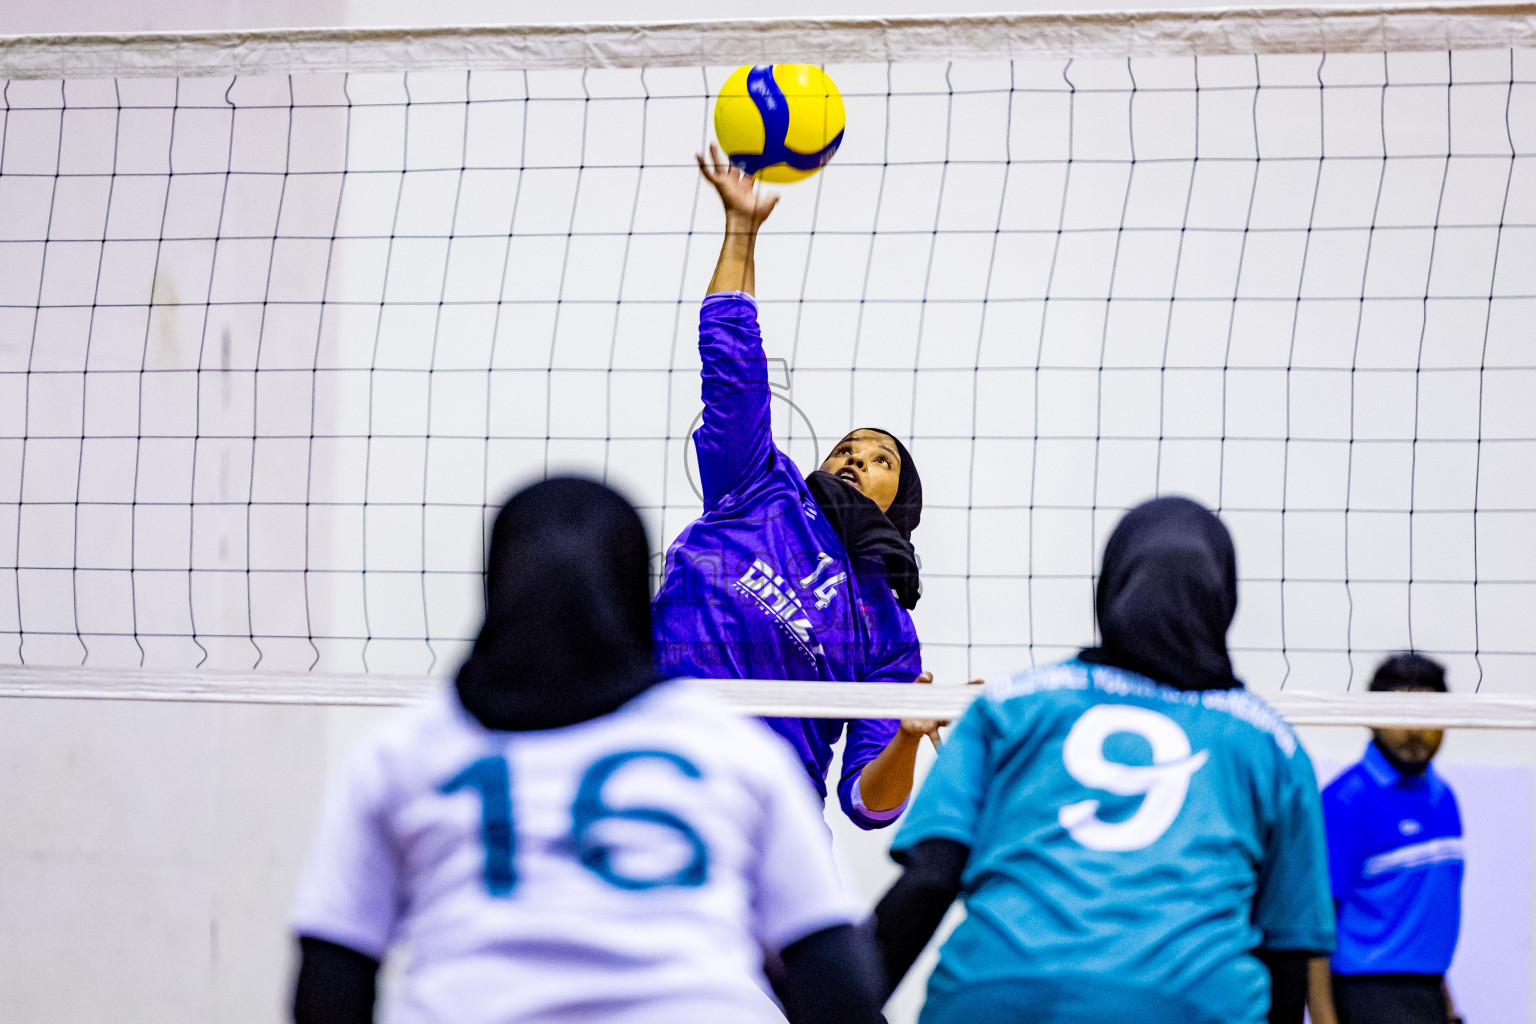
(1163, 785)
(491, 778)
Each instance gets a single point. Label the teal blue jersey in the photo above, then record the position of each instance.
(1130, 845)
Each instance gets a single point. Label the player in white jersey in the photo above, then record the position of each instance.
(562, 837)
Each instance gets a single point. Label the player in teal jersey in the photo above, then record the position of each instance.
(1137, 837)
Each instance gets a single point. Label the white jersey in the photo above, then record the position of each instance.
(630, 868)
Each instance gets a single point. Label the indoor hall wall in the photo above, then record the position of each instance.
(40, 16)
(166, 15)
(150, 851)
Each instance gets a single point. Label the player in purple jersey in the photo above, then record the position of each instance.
(786, 576)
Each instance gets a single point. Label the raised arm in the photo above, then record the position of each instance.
(735, 440)
(745, 210)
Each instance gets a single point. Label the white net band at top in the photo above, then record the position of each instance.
(768, 698)
(1397, 28)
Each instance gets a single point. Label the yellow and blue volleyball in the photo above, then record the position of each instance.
(779, 122)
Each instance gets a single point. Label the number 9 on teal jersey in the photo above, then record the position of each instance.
(1162, 785)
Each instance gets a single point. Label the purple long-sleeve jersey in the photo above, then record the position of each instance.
(759, 586)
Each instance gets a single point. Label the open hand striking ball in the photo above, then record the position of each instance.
(779, 122)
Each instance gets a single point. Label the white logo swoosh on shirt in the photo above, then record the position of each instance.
(1418, 855)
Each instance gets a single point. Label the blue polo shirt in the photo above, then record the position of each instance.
(1395, 864)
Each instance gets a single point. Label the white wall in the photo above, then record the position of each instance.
(149, 854)
(166, 15)
(37, 16)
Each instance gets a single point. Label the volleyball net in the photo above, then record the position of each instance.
(284, 317)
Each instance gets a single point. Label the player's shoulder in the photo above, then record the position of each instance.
(1443, 790)
(717, 736)
(1041, 698)
(419, 741)
(1063, 679)
(686, 710)
(1248, 708)
(1445, 800)
(391, 752)
(427, 718)
(1370, 780)
(1074, 683)
(1349, 787)
(675, 703)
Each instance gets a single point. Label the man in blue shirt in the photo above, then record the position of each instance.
(1137, 837)
(1395, 864)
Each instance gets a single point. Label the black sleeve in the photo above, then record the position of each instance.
(908, 915)
(830, 978)
(1287, 982)
(336, 984)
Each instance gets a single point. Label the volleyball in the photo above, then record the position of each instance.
(779, 122)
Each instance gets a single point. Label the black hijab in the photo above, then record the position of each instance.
(1167, 594)
(878, 543)
(567, 633)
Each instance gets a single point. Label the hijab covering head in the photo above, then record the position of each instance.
(878, 543)
(906, 509)
(1167, 594)
(567, 633)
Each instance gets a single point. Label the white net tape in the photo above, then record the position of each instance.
(750, 696)
(1115, 35)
